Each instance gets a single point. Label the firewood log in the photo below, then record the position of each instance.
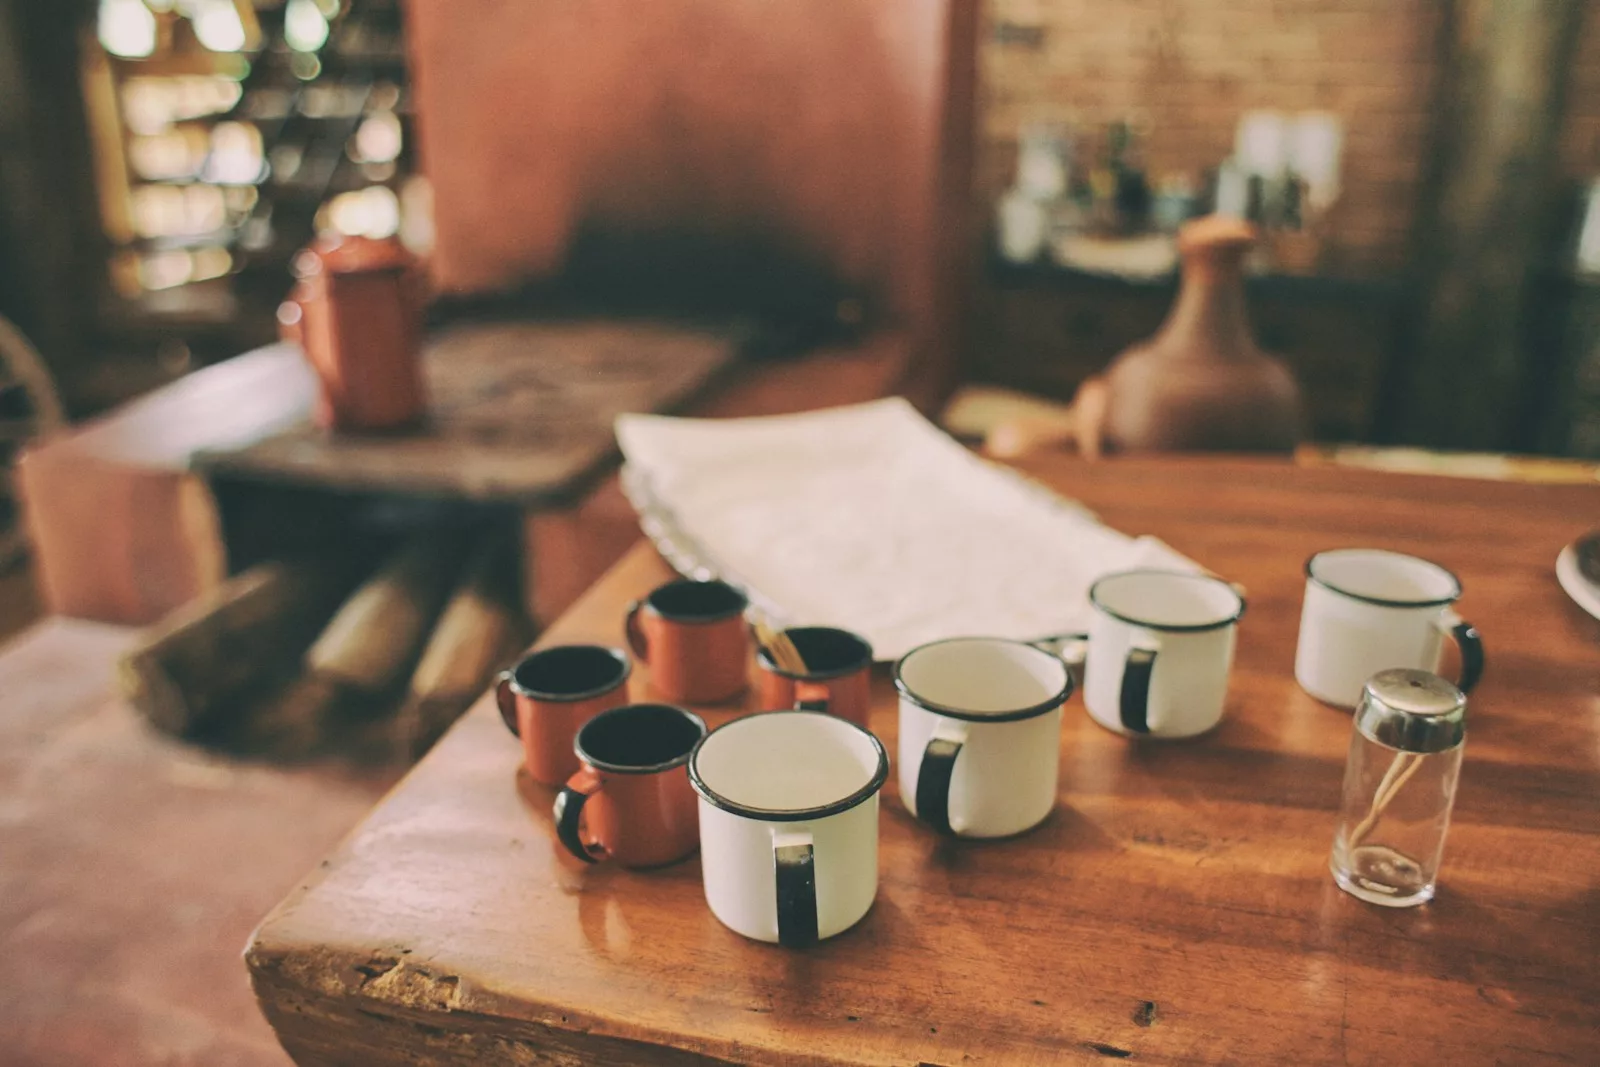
(362, 658)
(216, 654)
(482, 627)
(374, 639)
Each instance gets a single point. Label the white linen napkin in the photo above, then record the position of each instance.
(869, 518)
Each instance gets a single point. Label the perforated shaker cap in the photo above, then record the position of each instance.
(1411, 710)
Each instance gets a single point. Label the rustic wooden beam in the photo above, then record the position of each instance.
(481, 628)
(357, 665)
(220, 652)
(376, 636)
(1461, 369)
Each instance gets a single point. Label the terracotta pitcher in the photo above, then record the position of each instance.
(356, 310)
(1201, 383)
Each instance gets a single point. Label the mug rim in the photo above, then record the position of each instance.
(1032, 711)
(765, 662)
(1385, 602)
(694, 620)
(1171, 628)
(544, 697)
(623, 768)
(821, 811)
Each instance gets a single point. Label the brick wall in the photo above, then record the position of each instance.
(1186, 69)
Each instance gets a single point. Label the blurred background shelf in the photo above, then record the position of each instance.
(226, 134)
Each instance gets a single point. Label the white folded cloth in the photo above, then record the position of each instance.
(869, 518)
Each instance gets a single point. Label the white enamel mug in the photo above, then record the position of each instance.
(789, 824)
(1367, 610)
(1160, 651)
(980, 734)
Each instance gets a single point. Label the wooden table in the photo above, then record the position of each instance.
(520, 416)
(518, 412)
(1176, 908)
(124, 527)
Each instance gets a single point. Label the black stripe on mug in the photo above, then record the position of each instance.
(933, 782)
(794, 863)
(1135, 698)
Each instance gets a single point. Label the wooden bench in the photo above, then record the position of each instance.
(123, 511)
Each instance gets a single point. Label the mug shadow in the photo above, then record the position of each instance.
(1505, 937)
(619, 905)
(787, 986)
(1063, 829)
(570, 873)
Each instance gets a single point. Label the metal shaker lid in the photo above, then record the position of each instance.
(1412, 710)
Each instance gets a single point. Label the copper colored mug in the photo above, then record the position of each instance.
(631, 800)
(837, 680)
(550, 694)
(356, 311)
(693, 637)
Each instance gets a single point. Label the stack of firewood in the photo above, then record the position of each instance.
(293, 659)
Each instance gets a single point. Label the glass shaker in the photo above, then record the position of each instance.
(1399, 787)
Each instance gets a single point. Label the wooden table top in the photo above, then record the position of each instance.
(1176, 907)
(519, 412)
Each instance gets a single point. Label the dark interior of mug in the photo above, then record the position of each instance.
(826, 650)
(639, 736)
(697, 600)
(570, 672)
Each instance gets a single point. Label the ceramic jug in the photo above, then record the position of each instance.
(1201, 383)
(356, 311)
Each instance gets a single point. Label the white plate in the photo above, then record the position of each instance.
(1573, 581)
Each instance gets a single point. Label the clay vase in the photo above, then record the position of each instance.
(356, 310)
(1200, 384)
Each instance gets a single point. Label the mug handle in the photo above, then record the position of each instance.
(635, 632)
(506, 700)
(1134, 700)
(933, 776)
(568, 814)
(1071, 649)
(810, 696)
(794, 864)
(1470, 642)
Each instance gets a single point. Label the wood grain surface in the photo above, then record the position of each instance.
(1175, 909)
(517, 411)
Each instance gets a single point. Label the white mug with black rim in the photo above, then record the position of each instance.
(1367, 610)
(1160, 651)
(980, 734)
(789, 824)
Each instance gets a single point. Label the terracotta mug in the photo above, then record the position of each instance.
(693, 637)
(356, 310)
(547, 696)
(631, 800)
(838, 678)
